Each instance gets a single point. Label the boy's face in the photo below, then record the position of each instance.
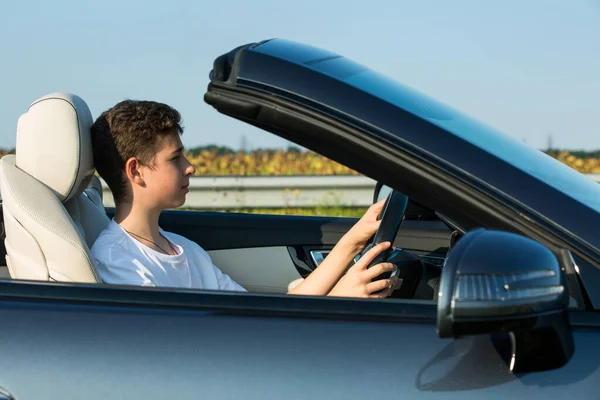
(167, 181)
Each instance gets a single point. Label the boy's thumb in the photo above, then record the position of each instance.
(370, 253)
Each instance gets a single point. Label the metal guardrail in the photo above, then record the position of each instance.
(232, 192)
(594, 177)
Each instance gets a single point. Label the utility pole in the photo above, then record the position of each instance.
(550, 150)
(244, 143)
(550, 144)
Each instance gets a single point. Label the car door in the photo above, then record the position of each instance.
(70, 341)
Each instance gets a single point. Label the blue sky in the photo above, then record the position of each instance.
(529, 68)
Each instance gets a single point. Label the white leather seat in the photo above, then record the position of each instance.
(50, 221)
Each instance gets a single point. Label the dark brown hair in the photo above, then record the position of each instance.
(131, 128)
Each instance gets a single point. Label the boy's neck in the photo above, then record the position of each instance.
(140, 221)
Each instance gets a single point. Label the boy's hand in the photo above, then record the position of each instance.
(356, 238)
(357, 281)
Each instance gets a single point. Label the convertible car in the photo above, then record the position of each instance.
(497, 251)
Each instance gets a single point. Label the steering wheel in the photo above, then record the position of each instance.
(409, 268)
(417, 277)
(391, 218)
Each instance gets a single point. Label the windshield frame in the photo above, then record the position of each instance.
(287, 70)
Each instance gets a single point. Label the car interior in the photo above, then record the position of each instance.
(52, 212)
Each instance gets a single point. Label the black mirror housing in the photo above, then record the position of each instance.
(496, 281)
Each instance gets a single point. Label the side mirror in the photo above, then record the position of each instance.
(496, 281)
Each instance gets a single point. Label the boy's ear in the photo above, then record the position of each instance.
(133, 171)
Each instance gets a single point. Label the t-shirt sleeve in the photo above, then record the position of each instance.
(226, 283)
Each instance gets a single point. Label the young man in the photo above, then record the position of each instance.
(139, 154)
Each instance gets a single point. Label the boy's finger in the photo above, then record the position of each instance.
(375, 208)
(381, 284)
(381, 294)
(379, 269)
(374, 225)
(370, 255)
(379, 204)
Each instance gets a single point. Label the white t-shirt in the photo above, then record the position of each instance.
(121, 259)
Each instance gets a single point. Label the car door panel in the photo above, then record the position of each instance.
(258, 269)
(222, 346)
(251, 248)
(109, 352)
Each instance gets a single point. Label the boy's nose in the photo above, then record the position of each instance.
(190, 170)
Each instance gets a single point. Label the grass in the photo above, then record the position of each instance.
(355, 212)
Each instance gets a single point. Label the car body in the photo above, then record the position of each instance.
(92, 341)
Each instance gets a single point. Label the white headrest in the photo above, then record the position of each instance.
(54, 143)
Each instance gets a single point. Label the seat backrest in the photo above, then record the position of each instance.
(52, 202)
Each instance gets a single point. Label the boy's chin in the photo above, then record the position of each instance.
(176, 203)
(179, 204)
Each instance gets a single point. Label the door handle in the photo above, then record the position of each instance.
(317, 256)
(5, 395)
